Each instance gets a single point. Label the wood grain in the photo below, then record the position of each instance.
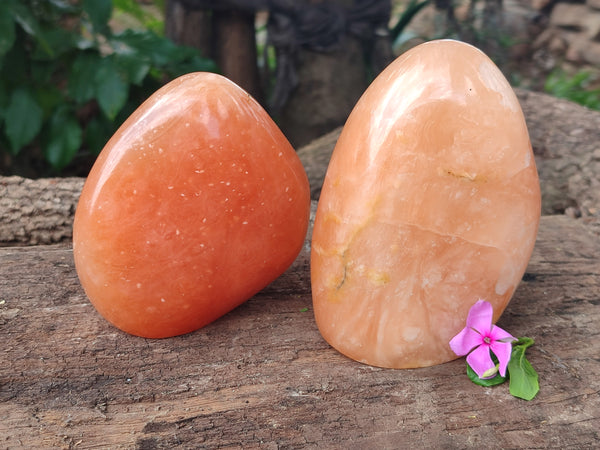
(565, 138)
(262, 376)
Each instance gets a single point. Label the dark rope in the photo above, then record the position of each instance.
(321, 27)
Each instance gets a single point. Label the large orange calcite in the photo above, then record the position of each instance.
(431, 201)
(195, 204)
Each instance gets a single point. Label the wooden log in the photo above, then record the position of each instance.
(564, 135)
(262, 376)
(36, 212)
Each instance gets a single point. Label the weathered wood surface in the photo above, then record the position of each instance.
(262, 376)
(564, 135)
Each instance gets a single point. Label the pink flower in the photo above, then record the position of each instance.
(479, 337)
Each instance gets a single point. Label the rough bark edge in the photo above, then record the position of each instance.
(565, 138)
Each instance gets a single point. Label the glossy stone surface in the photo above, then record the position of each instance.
(195, 204)
(431, 201)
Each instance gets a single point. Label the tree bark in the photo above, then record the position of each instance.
(191, 27)
(225, 34)
(564, 136)
(235, 49)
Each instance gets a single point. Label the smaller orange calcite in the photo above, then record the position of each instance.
(431, 201)
(195, 204)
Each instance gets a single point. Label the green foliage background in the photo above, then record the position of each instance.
(68, 80)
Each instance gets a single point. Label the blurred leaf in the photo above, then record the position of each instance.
(195, 64)
(111, 90)
(23, 16)
(23, 119)
(81, 83)
(49, 97)
(575, 88)
(7, 31)
(58, 40)
(99, 12)
(64, 138)
(146, 19)
(131, 7)
(97, 132)
(63, 6)
(160, 51)
(134, 65)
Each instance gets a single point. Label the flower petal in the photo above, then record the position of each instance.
(502, 350)
(497, 333)
(480, 360)
(465, 341)
(480, 316)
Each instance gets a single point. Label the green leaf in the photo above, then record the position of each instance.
(498, 379)
(23, 16)
(49, 97)
(111, 90)
(161, 51)
(131, 7)
(523, 377)
(54, 42)
(7, 31)
(81, 85)
(97, 133)
(64, 138)
(99, 12)
(23, 119)
(135, 66)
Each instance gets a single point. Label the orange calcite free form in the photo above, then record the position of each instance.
(195, 204)
(431, 201)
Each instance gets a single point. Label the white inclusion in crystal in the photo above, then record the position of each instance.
(160, 150)
(169, 187)
(162, 300)
(506, 278)
(410, 333)
(177, 232)
(139, 285)
(494, 80)
(187, 124)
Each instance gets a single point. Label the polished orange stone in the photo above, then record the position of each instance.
(431, 202)
(195, 204)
